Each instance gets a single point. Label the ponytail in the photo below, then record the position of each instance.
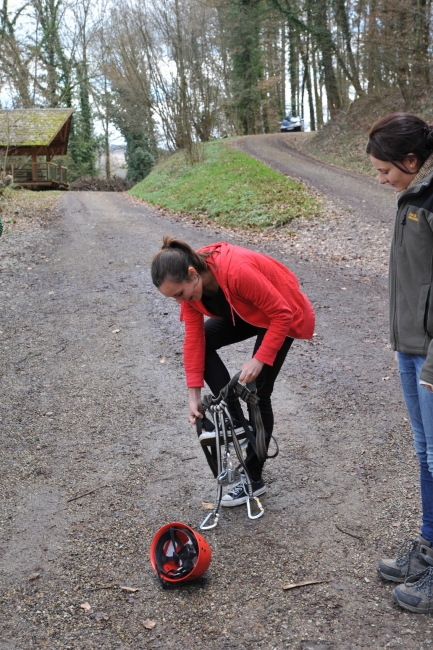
(395, 136)
(173, 261)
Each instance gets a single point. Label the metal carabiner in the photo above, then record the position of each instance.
(214, 525)
(259, 505)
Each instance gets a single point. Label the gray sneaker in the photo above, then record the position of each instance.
(413, 556)
(238, 494)
(416, 594)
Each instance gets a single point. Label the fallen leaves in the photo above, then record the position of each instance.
(207, 506)
(86, 606)
(130, 590)
(163, 360)
(34, 576)
(148, 624)
(115, 331)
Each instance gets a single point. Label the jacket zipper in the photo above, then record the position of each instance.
(426, 312)
(403, 223)
(394, 316)
(233, 310)
(400, 243)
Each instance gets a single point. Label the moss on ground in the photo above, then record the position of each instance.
(228, 187)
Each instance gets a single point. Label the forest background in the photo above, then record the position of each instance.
(172, 74)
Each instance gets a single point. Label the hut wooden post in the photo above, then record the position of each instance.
(34, 167)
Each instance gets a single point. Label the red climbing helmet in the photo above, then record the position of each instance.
(178, 554)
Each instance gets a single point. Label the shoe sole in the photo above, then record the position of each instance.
(208, 438)
(239, 502)
(409, 607)
(391, 578)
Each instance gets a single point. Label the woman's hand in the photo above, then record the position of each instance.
(195, 406)
(251, 370)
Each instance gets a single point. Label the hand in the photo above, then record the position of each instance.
(251, 370)
(428, 386)
(195, 405)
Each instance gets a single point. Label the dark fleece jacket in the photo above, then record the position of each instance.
(411, 271)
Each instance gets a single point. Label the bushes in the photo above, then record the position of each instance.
(93, 184)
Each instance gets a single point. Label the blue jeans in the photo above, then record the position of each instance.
(419, 402)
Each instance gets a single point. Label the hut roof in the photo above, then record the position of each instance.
(44, 131)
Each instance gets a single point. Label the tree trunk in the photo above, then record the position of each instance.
(293, 69)
(343, 25)
(317, 93)
(307, 77)
(283, 70)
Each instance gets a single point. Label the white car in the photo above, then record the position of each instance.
(292, 123)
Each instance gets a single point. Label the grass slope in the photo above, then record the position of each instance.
(228, 187)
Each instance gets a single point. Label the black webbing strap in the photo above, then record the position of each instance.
(210, 457)
(253, 407)
(257, 439)
(183, 554)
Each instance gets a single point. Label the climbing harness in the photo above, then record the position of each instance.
(227, 460)
(179, 554)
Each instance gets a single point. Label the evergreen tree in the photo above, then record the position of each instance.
(82, 143)
(139, 157)
(247, 67)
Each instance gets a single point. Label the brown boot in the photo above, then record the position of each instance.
(413, 556)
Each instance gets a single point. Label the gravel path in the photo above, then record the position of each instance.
(93, 406)
(357, 223)
(359, 193)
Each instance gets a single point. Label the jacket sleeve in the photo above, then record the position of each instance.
(193, 345)
(427, 368)
(250, 284)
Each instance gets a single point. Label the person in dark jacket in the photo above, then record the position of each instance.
(400, 148)
(244, 294)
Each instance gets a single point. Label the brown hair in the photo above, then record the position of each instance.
(174, 260)
(395, 136)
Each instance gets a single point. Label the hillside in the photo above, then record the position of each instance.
(342, 141)
(228, 187)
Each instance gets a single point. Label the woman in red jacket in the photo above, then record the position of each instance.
(245, 294)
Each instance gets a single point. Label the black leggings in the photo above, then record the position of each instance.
(220, 332)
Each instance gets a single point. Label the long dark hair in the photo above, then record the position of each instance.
(173, 261)
(395, 136)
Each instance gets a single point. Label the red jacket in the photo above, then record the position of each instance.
(261, 291)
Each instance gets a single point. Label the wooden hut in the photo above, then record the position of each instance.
(31, 133)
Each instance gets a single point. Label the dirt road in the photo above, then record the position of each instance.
(93, 406)
(363, 196)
